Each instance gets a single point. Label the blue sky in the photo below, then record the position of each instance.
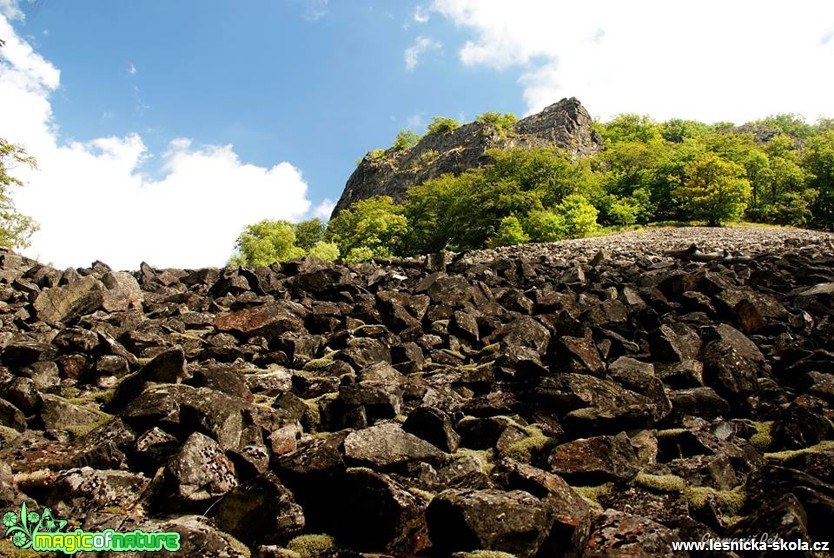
(162, 128)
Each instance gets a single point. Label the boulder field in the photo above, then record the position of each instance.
(599, 397)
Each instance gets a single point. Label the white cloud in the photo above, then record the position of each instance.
(712, 60)
(415, 121)
(324, 209)
(420, 15)
(131, 69)
(315, 9)
(92, 201)
(415, 51)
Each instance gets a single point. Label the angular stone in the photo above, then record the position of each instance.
(122, 292)
(272, 318)
(378, 514)
(261, 511)
(434, 426)
(805, 423)
(515, 522)
(199, 473)
(61, 304)
(596, 460)
(621, 534)
(388, 444)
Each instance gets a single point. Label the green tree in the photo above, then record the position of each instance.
(327, 251)
(309, 233)
(788, 123)
(677, 130)
(714, 189)
(629, 127)
(369, 228)
(441, 125)
(818, 161)
(266, 242)
(580, 215)
(406, 139)
(15, 229)
(545, 226)
(504, 123)
(509, 233)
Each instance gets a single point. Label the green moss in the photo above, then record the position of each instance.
(826, 445)
(424, 495)
(483, 554)
(671, 432)
(525, 450)
(730, 502)
(9, 550)
(762, 439)
(318, 363)
(311, 546)
(592, 494)
(490, 349)
(660, 483)
(485, 457)
(101, 397)
(312, 416)
(79, 430)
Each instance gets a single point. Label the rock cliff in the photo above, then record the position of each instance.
(565, 124)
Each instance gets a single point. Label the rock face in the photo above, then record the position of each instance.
(571, 400)
(565, 124)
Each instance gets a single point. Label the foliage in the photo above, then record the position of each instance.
(309, 233)
(370, 228)
(788, 123)
(266, 242)
(715, 189)
(819, 162)
(509, 233)
(441, 125)
(580, 215)
(629, 127)
(15, 229)
(545, 226)
(327, 251)
(376, 154)
(677, 130)
(504, 123)
(406, 139)
(428, 156)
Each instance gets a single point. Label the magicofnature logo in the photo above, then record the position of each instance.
(41, 532)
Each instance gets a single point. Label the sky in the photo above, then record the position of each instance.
(161, 129)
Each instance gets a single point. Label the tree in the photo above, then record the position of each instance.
(545, 226)
(327, 251)
(406, 139)
(15, 229)
(714, 189)
(819, 162)
(504, 123)
(266, 242)
(370, 228)
(309, 233)
(509, 233)
(580, 215)
(629, 127)
(677, 130)
(442, 124)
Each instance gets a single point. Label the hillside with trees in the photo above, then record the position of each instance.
(778, 171)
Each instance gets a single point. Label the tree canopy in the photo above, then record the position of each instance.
(15, 228)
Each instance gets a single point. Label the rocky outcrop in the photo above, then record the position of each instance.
(593, 397)
(565, 124)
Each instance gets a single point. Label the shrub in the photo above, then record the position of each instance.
(406, 139)
(509, 233)
(545, 226)
(580, 215)
(504, 123)
(441, 125)
(327, 251)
